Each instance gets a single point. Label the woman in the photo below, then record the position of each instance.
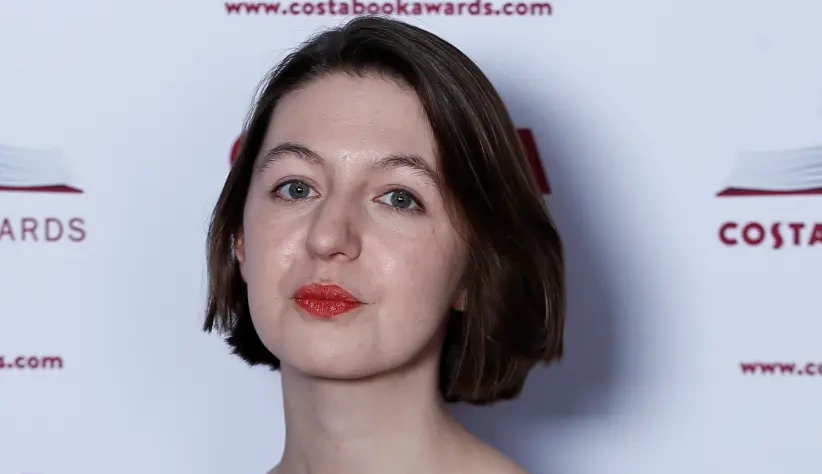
(382, 242)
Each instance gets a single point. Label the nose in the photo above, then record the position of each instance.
(334, 231)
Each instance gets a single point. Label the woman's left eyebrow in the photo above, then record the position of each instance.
(410, 161)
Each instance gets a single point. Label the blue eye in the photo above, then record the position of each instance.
(294, 190)
(402, 200)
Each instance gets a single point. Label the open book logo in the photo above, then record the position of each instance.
(526, 137)
(777, 173)
(29, 170)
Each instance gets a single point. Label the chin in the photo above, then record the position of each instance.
(351, 350)
(337, 365)
(342, 356)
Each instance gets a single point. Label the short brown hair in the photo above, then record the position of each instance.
(515, 310)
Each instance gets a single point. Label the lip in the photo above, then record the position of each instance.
(325, 301)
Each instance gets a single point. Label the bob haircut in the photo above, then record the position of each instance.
(515, 309)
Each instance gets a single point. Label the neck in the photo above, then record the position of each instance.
(392, 423)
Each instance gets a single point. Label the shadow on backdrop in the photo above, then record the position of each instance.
(583, 385)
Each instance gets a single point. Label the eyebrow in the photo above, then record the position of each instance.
(393, 161)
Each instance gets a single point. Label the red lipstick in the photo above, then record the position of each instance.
(325, 301)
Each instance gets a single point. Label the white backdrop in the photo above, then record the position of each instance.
(641, 110)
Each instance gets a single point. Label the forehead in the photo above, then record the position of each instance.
(342, 115)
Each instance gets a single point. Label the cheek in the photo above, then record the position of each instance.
(271, 258)
(423, 272)
(270, 247)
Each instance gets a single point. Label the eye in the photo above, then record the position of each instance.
(294, 190)
(401, 199)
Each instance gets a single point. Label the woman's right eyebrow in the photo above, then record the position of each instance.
(289, 149)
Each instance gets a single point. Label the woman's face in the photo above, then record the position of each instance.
(345, 193)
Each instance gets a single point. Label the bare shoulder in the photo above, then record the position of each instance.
(485, 459)
(498, 463)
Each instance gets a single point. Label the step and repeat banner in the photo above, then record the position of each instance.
(679, 146)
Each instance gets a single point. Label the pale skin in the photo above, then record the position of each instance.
(351, 198)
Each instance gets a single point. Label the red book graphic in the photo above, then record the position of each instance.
(526, 136)
(776, 173)
(235, 149)
(44, 171)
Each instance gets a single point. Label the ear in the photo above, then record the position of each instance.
(461, 300)
(239, 252)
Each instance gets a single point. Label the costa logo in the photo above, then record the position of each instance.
(526, 137)
(783, 173)
(775, 235)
